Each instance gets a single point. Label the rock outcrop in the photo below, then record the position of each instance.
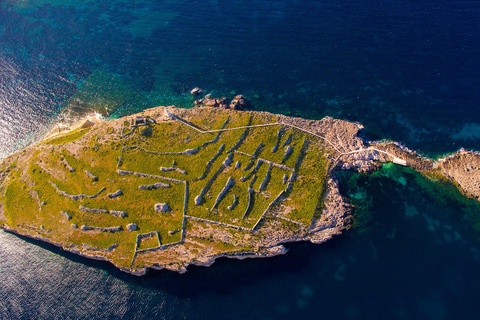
(233, 196)
(464, 168)
(132, 227)
(162, 207)
(239, 103)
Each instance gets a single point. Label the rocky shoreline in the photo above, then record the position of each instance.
(346, 151)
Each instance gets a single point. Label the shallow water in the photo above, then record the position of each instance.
(406, 70)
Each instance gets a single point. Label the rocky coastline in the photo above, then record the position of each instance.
(346, 150)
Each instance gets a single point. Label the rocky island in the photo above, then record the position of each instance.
(172, 187)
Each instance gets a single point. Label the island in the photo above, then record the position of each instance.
(170, 187)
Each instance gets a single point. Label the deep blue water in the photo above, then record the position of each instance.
(407, 70)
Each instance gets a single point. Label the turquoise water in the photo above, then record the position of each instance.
(409, 71)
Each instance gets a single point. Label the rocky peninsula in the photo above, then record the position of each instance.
(169, 187)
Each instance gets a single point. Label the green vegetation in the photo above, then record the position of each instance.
(86, 174)
(69, 137)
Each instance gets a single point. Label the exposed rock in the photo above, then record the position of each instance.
(196, 91)
(154, 186)
(228, 160)
(191, 151)
(115, 194)
(113, 246)
(288, 152)
(74, 226)
(124, 172)
(230, 183)
(239, 103)
(107, 229)
(336, 213)
(464, 168)
(91, 175)
(132, 227)
(121, 214)
(209, 101)
(198, 200)
(162, 207)
(76, 196)
(234, 204)
(83, 208)
(260, 236)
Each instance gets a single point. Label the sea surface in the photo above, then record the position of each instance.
(407, 70)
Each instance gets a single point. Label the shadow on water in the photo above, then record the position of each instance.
(414, 254)
(221, 278)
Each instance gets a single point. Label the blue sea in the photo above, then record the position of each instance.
(407, 70)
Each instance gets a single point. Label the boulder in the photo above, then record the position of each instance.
(209, 101)
(239, 102)
(198, 200)
(162, 207)
(132, 227)
(196, 91)
(222, 103)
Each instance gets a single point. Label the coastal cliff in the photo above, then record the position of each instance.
(171, 187)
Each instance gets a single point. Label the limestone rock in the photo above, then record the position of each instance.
(239, 103)
(121, 214)
(209, 101)
(162, 207)
(115, 194)
(198, 200)
(132, 227)
(196, 91)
